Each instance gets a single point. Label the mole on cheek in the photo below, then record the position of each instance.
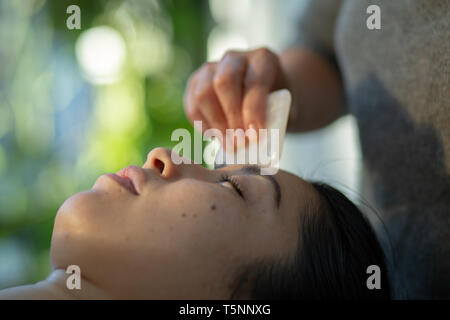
(213, 207)
(183, 215)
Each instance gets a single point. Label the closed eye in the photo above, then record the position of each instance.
(227, 180)
(255, 170)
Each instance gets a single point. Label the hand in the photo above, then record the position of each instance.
(232, 93)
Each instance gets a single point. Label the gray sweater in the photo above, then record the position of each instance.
(397, 86)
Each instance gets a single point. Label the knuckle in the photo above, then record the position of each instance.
(203, 94)
(224, 79)
(230, 54)
(264, 54)
(209, 66)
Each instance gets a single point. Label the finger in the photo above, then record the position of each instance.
(206, 101)
(195, 116)
(228, 84)
(192, 111)
(259, 79)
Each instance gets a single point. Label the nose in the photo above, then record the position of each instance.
(161, 160)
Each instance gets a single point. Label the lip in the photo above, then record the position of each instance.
(135, 176)
(124, 182)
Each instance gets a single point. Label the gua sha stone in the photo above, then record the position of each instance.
(277, 114)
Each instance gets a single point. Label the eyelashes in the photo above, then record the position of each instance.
(232, 180)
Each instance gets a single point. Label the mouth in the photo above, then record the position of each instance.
(134, 177)
(124, 182)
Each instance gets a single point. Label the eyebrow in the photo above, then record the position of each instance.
(255, 170)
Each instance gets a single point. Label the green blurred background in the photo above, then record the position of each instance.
(75, 104)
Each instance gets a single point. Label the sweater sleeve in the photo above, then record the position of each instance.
(316, 27)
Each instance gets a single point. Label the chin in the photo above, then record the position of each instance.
(72, 224)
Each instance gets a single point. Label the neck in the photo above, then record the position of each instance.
(55, 287)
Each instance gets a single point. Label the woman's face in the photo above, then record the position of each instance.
(177, 231)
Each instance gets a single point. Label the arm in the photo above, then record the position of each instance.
(316, 87)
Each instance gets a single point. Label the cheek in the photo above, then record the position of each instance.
(197, 216)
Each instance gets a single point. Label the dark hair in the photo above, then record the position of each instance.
(336, 245)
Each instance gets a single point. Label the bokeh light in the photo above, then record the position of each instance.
(101, 53)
